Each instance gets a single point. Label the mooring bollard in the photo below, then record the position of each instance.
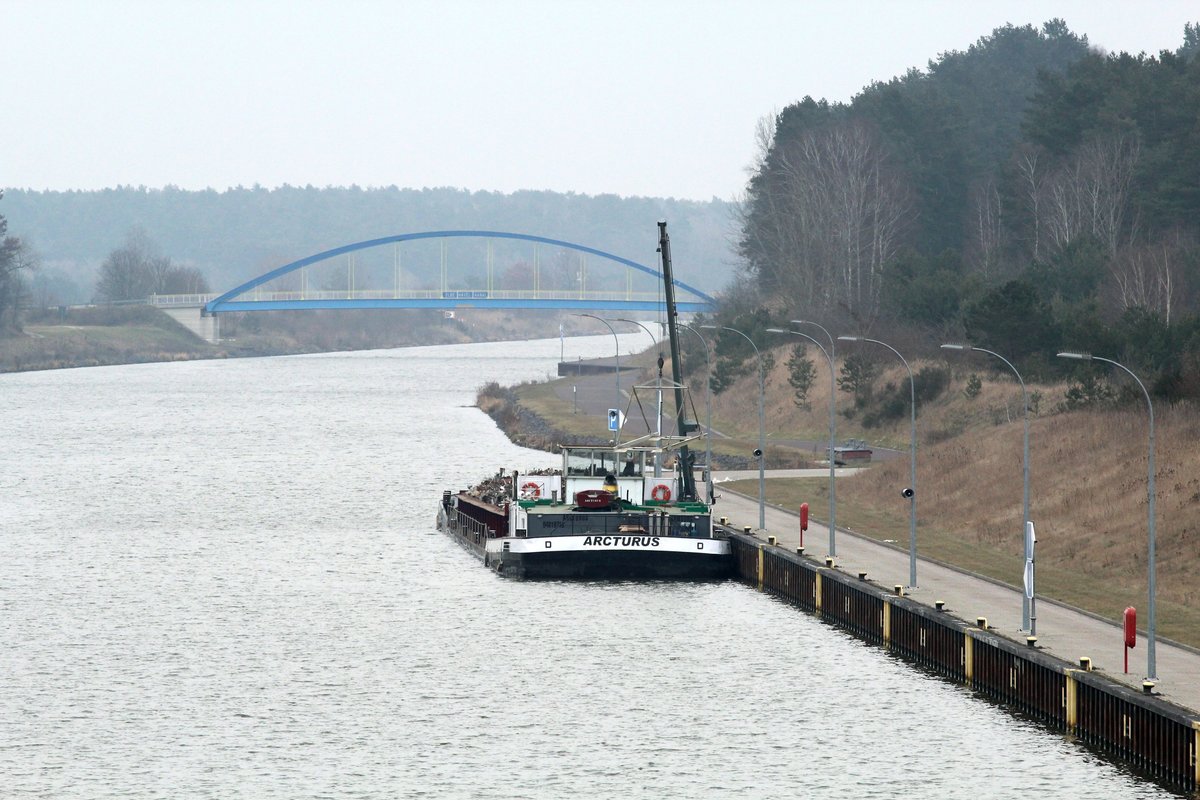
(771, 540)
(1148, 687)
(981, 622)
(799, 551)
(746, 529)
(829, 561)
(1085, 663)
(899, 589)
(862, 576)
(1031, 641)
(940, 605)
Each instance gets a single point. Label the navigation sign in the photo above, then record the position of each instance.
(1030, 543)
(614, 419)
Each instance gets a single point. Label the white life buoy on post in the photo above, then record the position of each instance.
(661, 493)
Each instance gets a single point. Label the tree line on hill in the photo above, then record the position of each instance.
(1027, 195)
(231, 235)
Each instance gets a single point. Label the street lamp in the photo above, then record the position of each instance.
(832, 434)
(653, 338)
(616, 434)
(762, 389)
(832, 429)
(1150, 558)
(911, 491)
(707, 405)
(1028, 598)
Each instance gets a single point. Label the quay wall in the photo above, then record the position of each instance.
(1155, 737)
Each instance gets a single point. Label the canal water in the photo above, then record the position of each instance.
(222, 579)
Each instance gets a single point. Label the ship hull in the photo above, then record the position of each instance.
(596, 557)
(613, 565)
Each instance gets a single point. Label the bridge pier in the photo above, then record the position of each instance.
(207, 328)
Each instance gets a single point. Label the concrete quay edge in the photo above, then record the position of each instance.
(1183, 690)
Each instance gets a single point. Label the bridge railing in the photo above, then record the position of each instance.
(168, 300)
(253, 295)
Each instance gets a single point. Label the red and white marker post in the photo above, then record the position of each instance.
(1130, 633)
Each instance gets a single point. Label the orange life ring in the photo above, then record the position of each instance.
(661, 493)
(531, 489)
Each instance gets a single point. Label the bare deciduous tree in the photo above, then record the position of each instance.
(137, 270)
(1090, 194)
(1033, 181)
(1150, 277)
(15, 261)
(837, 216)
(987, 235)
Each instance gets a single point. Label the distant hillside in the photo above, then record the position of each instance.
(235, 234)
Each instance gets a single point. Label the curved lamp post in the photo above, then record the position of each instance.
(762, 490)
(832, 428)
(911, 491)
(1151, 636)
(618, 371)
(832, 434)
(1028, 598)
(653, 338)
(707, 405)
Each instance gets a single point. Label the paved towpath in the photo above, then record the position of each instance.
(1061, 631)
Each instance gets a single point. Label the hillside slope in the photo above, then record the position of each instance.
(1088, 489)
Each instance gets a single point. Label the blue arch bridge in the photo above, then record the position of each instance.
(444, 270)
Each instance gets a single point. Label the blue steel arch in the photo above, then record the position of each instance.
(226, 303)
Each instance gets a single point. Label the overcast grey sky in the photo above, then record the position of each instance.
(653, 97)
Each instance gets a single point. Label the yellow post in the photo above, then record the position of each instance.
(1196, 752)
(760, 568)
(887, 623)
(817, 590)
(969, 656)
(1072, 701)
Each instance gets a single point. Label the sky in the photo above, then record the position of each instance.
(646, 98)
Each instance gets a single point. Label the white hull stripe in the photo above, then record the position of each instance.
(651, 544)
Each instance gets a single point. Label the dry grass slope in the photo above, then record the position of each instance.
(1088, 496)
(1088, 502)
(1088, 485)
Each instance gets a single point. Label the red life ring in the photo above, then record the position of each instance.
(531, 489)
(661, 493)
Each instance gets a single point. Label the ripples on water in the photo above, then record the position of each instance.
(221, 579)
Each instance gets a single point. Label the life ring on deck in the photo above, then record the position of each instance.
(661, 493)
(531, 489)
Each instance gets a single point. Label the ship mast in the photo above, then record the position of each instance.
(686, 459)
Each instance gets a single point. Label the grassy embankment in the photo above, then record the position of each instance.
(1088, 485)
(98, 336)
(101, 336)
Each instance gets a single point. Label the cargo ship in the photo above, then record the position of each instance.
(626, 511)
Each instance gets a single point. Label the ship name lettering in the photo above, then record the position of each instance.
(621, 541)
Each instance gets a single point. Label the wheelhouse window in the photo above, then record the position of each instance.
(595, 463)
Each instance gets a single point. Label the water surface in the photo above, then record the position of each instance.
(221, 579)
